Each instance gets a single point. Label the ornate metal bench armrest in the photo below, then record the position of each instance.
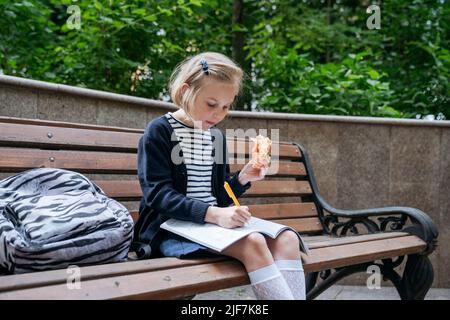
(423, 225)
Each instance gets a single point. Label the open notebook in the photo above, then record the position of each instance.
(218, 238)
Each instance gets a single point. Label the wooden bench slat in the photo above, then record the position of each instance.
(241, 148)
(306, 225)
(66, 138)
(29, 280)
(132, 190)
(355, 253)
(327, 241)
(207, 277)
(302, 225)
(14, 134)
(16, 159)
(326, 238)
(283, 210)
(279, 168)
(278, 189)
(159, 284)
(274, 211)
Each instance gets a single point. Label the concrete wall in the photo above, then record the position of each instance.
(359, 162)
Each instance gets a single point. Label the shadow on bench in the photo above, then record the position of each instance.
(342, 242)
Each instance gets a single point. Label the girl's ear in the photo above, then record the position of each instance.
(184, 87)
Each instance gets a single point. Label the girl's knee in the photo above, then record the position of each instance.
(255, 246)
(252, 245)
(289, 239)
(286, 246)
(256, 253)
(256, 241)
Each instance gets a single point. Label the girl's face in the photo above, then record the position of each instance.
(213, 102)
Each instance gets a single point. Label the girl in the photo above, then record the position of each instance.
(204, 87)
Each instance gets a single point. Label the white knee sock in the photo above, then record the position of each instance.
(293, 273)
(268, 284)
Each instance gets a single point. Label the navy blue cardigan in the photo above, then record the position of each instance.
(164, 182)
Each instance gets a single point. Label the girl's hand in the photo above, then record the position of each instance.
(229, 217)
(249, 173)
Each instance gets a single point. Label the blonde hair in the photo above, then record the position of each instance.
(190, 71)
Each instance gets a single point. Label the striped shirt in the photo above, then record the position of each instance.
(197, 147)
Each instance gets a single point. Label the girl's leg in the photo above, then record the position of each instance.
(265, 278)
(285, 250)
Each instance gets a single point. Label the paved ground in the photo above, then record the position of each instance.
(336, 292)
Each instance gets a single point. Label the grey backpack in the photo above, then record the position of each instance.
(53, 218)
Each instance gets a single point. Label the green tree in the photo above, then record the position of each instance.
(305, 56)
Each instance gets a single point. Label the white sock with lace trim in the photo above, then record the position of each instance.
(293, 273)
(269, 284)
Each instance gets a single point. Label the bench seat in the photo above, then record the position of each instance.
(163, 278)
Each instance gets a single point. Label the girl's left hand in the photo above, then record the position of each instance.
(248, 173)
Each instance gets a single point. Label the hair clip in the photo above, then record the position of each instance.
(204, 66)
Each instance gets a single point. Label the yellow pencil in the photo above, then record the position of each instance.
(231, 193)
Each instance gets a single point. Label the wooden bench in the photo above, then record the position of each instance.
(342, 242)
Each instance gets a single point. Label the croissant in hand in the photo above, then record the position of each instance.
(261, 152)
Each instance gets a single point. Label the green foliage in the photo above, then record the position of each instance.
(296, 84)
(115, 38)
(309, 57)
(303, 56)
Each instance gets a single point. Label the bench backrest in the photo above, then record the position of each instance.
(107, 155)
